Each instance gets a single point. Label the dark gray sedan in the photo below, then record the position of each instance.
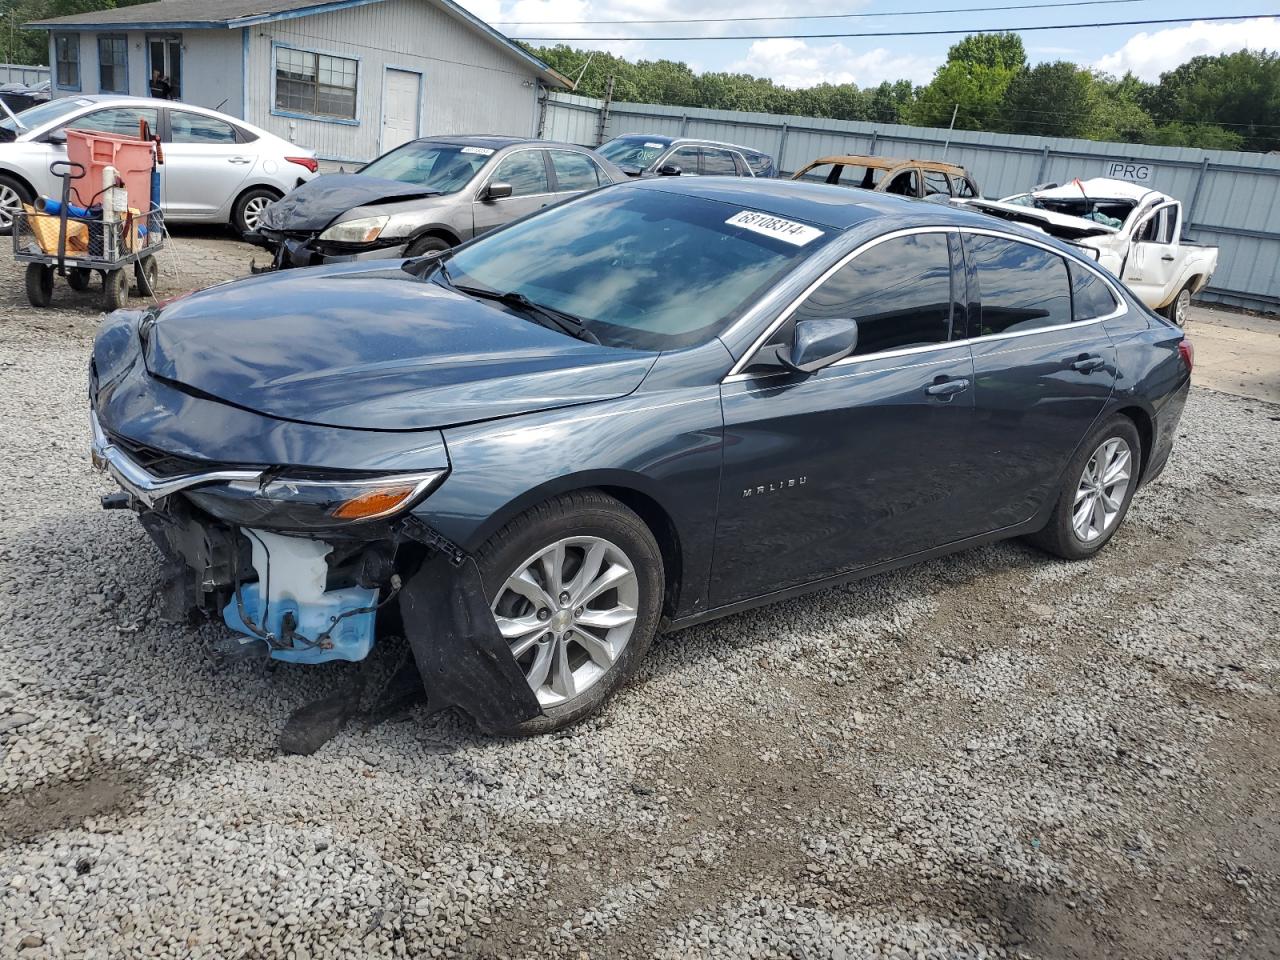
(426, 195)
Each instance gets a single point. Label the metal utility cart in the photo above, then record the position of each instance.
(77, 246)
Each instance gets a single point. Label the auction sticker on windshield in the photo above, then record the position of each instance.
(482, 151)
(797, 234)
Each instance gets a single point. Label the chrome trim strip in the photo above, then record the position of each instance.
(147, 487)
(736, 375)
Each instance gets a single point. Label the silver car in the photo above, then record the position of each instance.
(216, 168)
(426, 195)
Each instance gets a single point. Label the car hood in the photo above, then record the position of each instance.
(1061, 225)
(376, 349)
(315, 204)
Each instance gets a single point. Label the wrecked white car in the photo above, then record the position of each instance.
(1133, 231)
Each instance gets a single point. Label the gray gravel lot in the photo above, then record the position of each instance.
(996, 754)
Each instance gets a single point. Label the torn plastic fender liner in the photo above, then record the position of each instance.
(461, 656)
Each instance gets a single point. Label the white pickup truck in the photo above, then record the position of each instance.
(1133, 231)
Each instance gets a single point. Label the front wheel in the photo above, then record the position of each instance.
(146, 275)
(576, 587)
(115, 289)
(1100, 483)
(39, 281)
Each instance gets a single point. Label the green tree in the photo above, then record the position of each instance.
(1238, 91)
(1049, 99)
(998, 50)
(1118, 114)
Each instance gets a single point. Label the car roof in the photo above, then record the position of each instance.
(887, 163)
(836, 207)
(499, 142)
(668, 141)
(106, 99)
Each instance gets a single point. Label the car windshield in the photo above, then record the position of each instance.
(440, 167)
(641, 267)
(634, 152)
(39, 115)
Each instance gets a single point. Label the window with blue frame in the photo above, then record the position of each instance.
(66, 60)
(317, 84)
(113, 63)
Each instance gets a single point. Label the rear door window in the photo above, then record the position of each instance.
(935, 182)
(187, 127)
(906, 183)
(574, 171)
(1090, 297)
(718, 163)
(1021, 287)
(525, 171)
(961, 187)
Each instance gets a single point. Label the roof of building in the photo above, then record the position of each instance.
(234, 14)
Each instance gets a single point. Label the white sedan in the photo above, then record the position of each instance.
(217, 169)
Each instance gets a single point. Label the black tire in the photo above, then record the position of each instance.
(1059, 535)
(586, 513)
(1170, 310)
(146, 275)
(39, 284)
(424, 245)
(115, 289)
(11, 187)
(79, 278)
(244, 205)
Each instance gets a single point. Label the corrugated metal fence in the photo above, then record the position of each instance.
(1230, 198)
(17, 73)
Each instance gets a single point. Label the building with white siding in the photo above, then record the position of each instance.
(348, 78)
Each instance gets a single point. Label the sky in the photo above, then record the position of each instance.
(1146, 50)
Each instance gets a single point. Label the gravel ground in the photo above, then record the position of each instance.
(992, 755)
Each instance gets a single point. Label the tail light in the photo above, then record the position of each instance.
(311, 163)
(1187, 352)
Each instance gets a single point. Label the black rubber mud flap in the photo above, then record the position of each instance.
(461, 656)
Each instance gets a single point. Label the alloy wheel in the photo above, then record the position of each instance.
(9, 202)
(568, 613)
(253, 211)
(1181, 307)
(1101, 491)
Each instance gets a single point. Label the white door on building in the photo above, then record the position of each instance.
(401, 104)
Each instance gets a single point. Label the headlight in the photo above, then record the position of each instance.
(307, 504)
(364, 230)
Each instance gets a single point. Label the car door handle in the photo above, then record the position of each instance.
(1088, 364)
(947, 388)
(1169, 256)
(239, 160)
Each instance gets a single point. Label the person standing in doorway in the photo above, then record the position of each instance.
(160, 86)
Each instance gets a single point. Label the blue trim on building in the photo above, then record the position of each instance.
(244, 75)
(317, 118)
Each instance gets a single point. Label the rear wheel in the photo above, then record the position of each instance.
(1178, 308)
(1100, 483)
(39, 282)
(146, 273)
(115, 289)
(78, 278)
(575, 586)
(247, 213)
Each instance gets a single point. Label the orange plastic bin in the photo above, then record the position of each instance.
(95, 151)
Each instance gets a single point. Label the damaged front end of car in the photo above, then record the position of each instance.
(302, 562)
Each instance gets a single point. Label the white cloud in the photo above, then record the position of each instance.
(1150, 54)
(794, 63)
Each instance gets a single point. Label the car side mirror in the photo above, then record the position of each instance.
(669, 170)
(57, 137)
(497, 191)
(818, 344)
